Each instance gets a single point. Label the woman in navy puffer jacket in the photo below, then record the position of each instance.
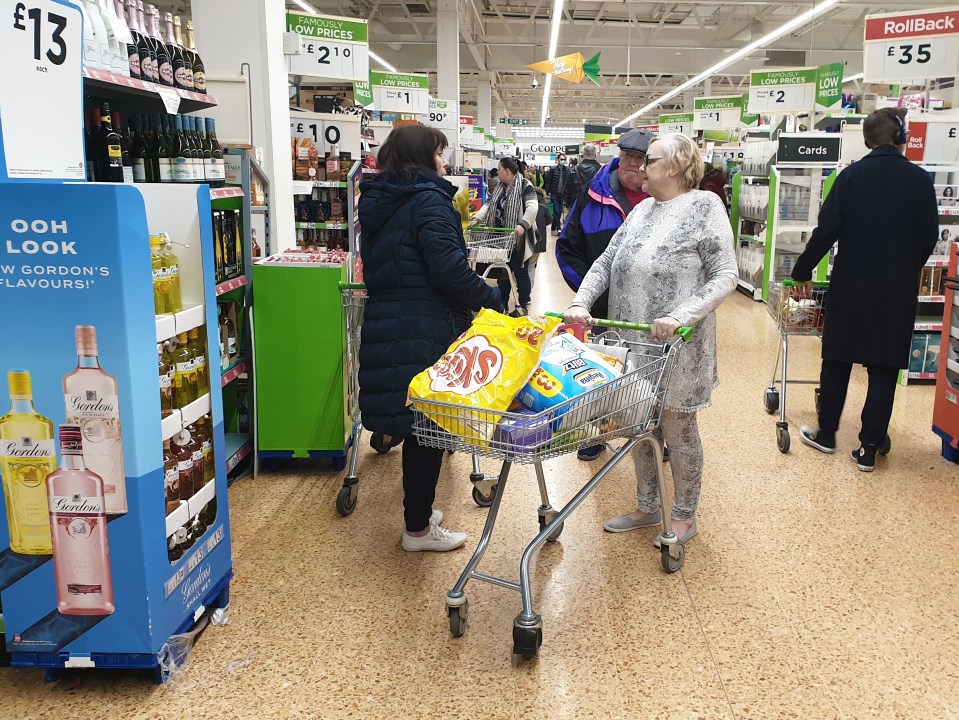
(421, 294)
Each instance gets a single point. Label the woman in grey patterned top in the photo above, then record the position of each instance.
(672, 261)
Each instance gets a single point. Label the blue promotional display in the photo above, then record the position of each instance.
(81, 431)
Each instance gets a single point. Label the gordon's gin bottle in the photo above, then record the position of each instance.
(78, 524)
(91, 398)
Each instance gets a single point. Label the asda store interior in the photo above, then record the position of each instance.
(230, 143)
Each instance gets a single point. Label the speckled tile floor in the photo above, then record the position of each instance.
(812, 591)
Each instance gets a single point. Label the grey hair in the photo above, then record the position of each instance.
(589, 152)
(682, 158)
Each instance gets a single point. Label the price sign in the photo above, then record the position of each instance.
(712, 113)
(933, 142)
(729, 153)
(330, 47)
(911, 46)
(466, 130)
(441, 115)
(401, 93)
(326, 129)
(681, 123)
(41, 51)
(782, 91)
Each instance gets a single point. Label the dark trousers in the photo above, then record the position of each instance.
(557, 200)
(421, 470)
(876, 412)
(524, 286)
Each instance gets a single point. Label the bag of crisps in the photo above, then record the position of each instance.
(482, 370)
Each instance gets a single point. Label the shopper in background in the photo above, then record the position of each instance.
(513, 205)
(595, 217)
(555, 184)
(672, 262)
(714, 180)
(581, 176)
(492, 181)
(421, 291)
(882, 211)
(543, 219)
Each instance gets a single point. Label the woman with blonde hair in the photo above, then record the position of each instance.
(671, 262)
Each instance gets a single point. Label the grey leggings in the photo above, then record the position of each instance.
(681, 434)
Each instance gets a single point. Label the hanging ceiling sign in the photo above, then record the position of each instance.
(401, 93)
(503, 147)
(326, 129)
(466, 130)
(513, 121)
(791, 90)
(911, 46)
(801, 149)
(713, 113)
(681, 123)
(41, 50)
(933, 142)
(570, 67)
(363, 94)
(330, 47)
(441, 115)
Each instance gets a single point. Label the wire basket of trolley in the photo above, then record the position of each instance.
(354, 304)
(627, 407)
(489, 250)
(796, 309)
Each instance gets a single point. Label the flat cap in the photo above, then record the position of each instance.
(636, 141)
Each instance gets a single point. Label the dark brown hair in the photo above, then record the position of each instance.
(508, 163)
(410, 148)
(882, 127)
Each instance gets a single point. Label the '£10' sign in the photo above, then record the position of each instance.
(471, 366)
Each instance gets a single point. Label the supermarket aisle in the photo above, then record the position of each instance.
(813, 590)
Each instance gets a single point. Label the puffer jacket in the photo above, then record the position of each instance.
(421, 290)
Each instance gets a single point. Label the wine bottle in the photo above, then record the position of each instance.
(91, 51)
(161, 287)
(199, 70)
(176, 55)
(117, 35)
(171, 264)
(148, 56)
(215, 171)
(162, 151)
(164, 61)
(198, 149)
(133, 55)
(78, 521)
(187, 60)
(183, 453)
(111, 158)
(237, 242)
(142, 166)
(205, 151)
(218, 245)
(91, 136)
(104, 56)
(171, 479)
(197, 346)
(186, 385)
(229, 255)
(125, 144)
(182, 167)
(166, 383)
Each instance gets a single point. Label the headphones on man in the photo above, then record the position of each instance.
(901, 135)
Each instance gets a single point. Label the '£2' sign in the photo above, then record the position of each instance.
(471, 366)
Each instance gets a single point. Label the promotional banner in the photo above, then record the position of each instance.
(933, 142)
(909, 47)
(713, 113)
(572, 68)
(441, 115)
(681, 123)
(466, 130)
(597, 133)
(363, 94)
(795, 89)
(477, 190)
(401, 93)
(330, 47)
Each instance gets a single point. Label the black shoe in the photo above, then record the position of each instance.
(865, 457)
(590, 453)
(816, 438)
(665, 454)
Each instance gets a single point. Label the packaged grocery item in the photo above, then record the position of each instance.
(523, 430)
(483, 369)
(305, 159)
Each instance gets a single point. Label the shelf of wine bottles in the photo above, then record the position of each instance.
(110, 86)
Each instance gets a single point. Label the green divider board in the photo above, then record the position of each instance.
(300, 356)
(770, 230)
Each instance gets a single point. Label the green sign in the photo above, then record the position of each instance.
(829, 85)
(513, 121)
(676, 119)
(477, 130)
(400, 80)
(363, 93)
(796, 76)
(338, 29)
(718, 103)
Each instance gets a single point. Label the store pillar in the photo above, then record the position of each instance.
(484, 100)
(448, 62)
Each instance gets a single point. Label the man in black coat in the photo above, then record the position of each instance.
(882, 211)
(581, 175)
(555, 184)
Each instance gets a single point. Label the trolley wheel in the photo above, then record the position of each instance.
(671, 564)
(782, 439)
(771, 400)
(346, 499)
(553, 536)
(458, 618)
(817, 401)
(380, 443)
(484, 500)
(527, 641)
(885, 447)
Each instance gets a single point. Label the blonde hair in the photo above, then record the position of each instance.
(682, 158)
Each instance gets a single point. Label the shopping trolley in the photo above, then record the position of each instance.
(627, 407)
(492, 247)
(796, 311)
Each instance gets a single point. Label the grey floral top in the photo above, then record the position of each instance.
(675, 259)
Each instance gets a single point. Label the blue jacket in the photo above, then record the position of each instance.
(592, 221)
(421, 290)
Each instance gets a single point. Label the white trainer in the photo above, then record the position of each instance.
(436, 518)
(438, 539)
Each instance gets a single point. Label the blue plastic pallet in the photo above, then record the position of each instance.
(338, 457)
(949, 452)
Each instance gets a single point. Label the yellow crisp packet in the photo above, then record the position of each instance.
(482, 371)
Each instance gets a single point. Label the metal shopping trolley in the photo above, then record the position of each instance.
(628, 407)
(492, 247)
(796, 311)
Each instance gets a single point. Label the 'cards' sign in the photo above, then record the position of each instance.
(809, 149)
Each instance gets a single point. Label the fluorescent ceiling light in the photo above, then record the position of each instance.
(381, 61)
(553, 41)
(306, 6)
(796, 22)
(857, 76)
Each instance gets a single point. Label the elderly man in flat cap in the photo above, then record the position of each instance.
(596, 216)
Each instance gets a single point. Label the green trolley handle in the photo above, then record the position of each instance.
(684, 332)
(351, 286)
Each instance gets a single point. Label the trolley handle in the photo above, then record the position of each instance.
(789, 282)
(684, 332)
(351, 286)
(483, 228)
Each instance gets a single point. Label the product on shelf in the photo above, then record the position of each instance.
(199, 70)
(182, 452)
(164, 60)
(167, 377)
(133, 53)
(242, 409)
(305, 159)
(163, 299)
(214, 169)
(227, 244)
(91, 16)
(92, 403)
(78, 524)
(228, 339)
(197, 346)
(332, 164)
(257, 252)
(110, 153)
(27, 457)
(182, 64)
(195, 444)
(148, 56)
(186, 380)
(171, 478)
(205, 434)
(171, 266)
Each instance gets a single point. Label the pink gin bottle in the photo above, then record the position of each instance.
(78, 524)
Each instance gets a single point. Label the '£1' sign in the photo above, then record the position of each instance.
(471, 366)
